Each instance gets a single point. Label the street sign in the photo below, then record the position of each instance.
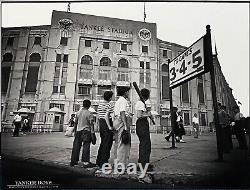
(188, 64)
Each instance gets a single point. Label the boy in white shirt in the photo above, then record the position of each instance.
(121, 125)
(142, 129)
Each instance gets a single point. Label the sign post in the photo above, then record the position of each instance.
(194, 61)
(209, 59)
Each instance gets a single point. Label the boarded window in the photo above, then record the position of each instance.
(58, 58)
(142, 78)
(124, 47)
(147, 78)
(165, 87)
(32, 79)
(37, 41)
(186, 118)
(105, 45)
(165, 53)
(7, 57)
(65, 58)
(203, 121)
(147, 65)
(64, 41)
(164, 68)
(144, 49)
(87, 43)
(201, 93)
(62, 89)
(5, 75)
(184, 92)
(10, 41)
(55, 89)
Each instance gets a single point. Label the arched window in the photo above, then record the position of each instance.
(105, 61)
(123, 63)
(7, 57)
(35, 57)
(87, 60)
(164, 68)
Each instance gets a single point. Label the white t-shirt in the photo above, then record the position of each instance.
(121, 105)
(139, 106)
(195, 120)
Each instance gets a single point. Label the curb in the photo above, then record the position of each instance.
(170, 179)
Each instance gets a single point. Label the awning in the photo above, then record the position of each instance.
(56, 110)
(24, 110)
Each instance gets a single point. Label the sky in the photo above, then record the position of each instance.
(177, 22)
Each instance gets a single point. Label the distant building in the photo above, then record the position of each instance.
(51, 69)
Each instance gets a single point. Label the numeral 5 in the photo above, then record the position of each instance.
(197, 59)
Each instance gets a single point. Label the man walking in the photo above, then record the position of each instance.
(195, 122)
(17, 123)
(175, 128)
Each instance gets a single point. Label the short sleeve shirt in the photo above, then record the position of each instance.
(103, 108)
(121, 105)
(195, 120)
(83, 120)
(140, 106)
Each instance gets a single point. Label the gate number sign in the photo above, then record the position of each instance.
(188, 64)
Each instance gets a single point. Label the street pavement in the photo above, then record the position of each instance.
(191, 164)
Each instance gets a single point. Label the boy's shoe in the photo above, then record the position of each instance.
(89, 165)
(72, 164)
(182, 141)
(150, 169)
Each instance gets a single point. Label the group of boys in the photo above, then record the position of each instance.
(115, 128)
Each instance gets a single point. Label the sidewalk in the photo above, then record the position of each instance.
(190, 163)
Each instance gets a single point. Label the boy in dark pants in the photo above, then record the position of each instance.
(84, 127)
(106, 128)
(142, 130)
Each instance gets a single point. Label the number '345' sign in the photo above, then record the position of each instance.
(188, 64)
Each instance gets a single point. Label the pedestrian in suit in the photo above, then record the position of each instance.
(175, 127)
(180, 128)
(223, 124)
(239, 128)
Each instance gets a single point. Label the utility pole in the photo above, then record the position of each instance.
(214, 95)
